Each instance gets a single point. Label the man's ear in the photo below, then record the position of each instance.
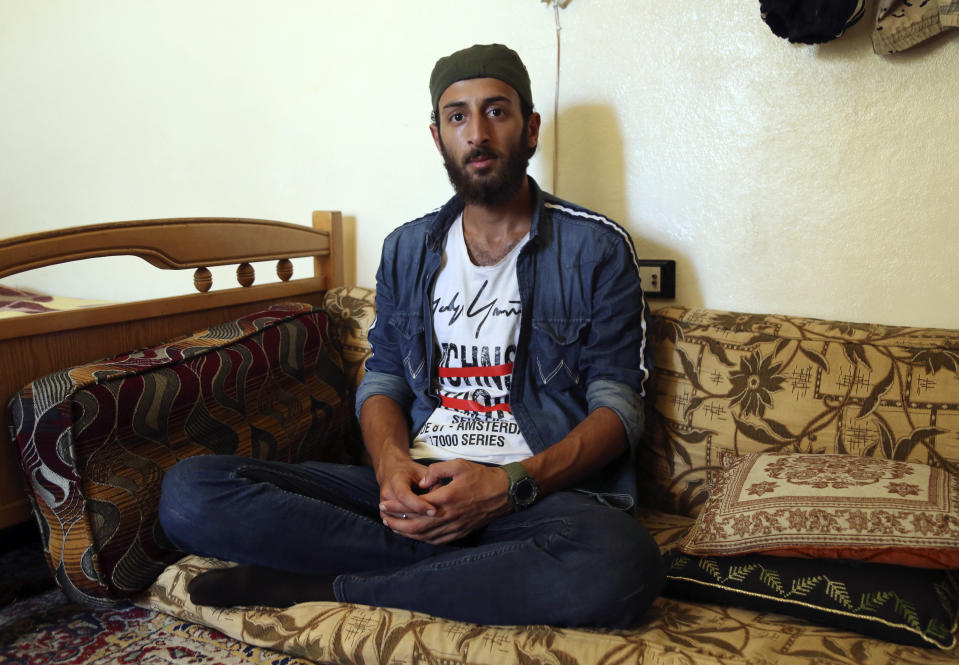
(435, 131)
(534, 123)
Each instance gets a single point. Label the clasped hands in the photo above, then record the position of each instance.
(441, 502)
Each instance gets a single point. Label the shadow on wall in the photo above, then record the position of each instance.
(592, 173)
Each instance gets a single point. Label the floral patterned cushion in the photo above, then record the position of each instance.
(831, 506)
(745, 383)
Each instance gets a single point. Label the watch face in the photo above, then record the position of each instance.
(524, 491)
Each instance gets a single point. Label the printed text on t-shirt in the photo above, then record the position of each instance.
(476, 309)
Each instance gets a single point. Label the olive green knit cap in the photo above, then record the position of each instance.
(481, 61)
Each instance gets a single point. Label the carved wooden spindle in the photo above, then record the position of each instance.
(245, 274)
(284, 269)
(202, 280)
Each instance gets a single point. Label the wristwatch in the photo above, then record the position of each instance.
(523, 489)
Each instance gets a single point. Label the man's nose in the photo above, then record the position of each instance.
(478, 130)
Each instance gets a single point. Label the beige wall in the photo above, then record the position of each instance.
(805, 180)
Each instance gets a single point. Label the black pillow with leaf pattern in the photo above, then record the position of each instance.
(913, 606)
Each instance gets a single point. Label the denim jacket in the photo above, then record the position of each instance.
(582, 340)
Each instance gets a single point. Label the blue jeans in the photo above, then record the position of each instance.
(565, 560)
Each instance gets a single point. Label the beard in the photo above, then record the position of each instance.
(495, 187)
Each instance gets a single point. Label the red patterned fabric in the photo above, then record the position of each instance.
(95, 440)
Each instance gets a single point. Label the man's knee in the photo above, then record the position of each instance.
(620, 576)
(184, 480)
(173, 497)
(637, 576)
(184, 501)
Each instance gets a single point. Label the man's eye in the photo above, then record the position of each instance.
(456, 117)
(495, 112)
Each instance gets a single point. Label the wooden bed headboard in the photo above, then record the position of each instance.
(35, 345)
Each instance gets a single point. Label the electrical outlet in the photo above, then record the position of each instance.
(658, 277)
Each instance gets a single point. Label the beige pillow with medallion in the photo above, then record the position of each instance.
(831, 506)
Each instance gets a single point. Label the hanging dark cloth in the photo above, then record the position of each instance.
(811, 21)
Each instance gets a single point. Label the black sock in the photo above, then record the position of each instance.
(255, 585)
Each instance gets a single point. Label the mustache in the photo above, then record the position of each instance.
(479, 153)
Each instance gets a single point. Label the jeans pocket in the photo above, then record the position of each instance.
(555, 350)
(413, 344)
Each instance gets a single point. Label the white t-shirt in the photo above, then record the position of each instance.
(476, 316)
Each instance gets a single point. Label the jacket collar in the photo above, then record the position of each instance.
(446, 215)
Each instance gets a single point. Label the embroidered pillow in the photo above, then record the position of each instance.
(915, 606)
(831, 506)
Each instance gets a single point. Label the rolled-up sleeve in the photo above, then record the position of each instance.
(625, 402)
(384, 369)
(616, 357)
(380, 383)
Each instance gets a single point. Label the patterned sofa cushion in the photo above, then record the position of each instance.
(744, 383)
(95, 440)
(831, 507)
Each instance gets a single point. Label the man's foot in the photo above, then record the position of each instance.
(255, 585)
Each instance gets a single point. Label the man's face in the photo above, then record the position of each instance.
(484, 140)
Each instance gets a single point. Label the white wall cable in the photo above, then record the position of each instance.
(556, 104)
(557, 5)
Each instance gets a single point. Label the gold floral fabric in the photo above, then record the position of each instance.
(739, 383)
(736, 383)
(352, 311)
(673, 632)
(831, 506)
